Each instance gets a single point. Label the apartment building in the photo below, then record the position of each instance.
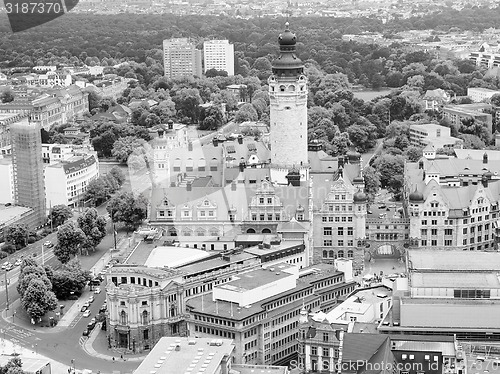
(433, 135)
(457, 113)
(218, 54)
(181, 58)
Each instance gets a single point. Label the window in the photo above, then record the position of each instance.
(146, 334)
(269, 200)
(447, 242)
(327, 243)
(434, 222)
(350, 254)
(324, 219)
(350, 231)
(261, 200)
(424, 222)
(314, 351)
(327, 231)
(325, 337)
(123, 318)
(326, 352)
(144, 317)
(340, 231)
(434, 243)
(434, 232)
(423, 232)
(340, 243)
(423, 243)
(262, 217)
(464, 231)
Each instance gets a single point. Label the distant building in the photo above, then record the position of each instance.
(479, 94)
(218, 54)
(181, 58)
(435, 99)
(6, 120)
(434, 135)
(29, 187)
(488, 56)
(7, 178)
(67, 180)
(456, 113)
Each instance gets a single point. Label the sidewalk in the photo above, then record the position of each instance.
(88, 346)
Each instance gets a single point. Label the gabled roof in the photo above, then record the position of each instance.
(291, 226)
(362, 347)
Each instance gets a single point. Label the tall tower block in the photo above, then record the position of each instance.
(288, 112)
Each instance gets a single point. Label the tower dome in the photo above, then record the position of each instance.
(416, 196)
(287, 37)
(360, 197)
(287, 63)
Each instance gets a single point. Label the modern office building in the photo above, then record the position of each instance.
(218, 54)
(29, 187)
(433, 135)
(476, 111)
(181, 58)
(479, 94)
(447, 293)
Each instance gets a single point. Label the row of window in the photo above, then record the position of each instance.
(340, 243)
(336, 219)
(284, 329)
(269, 216)
(218, 321)
(212, 331)
(328, 231)
(132, 280)
(284, 353)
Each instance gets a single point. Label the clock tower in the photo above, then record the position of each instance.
(288, 112)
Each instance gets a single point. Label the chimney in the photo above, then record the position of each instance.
(189, 186)
(484, 181)
(240, 139)
(341, 162)
(190, 146)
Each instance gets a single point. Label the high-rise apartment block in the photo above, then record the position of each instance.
(219, 54)
(181, 58)
(29, 187)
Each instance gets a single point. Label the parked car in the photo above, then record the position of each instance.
(97, 290)
(87, 313)
(91, 299)
(5, 264)
(86, 332)
(84, 308)
(18, 262)
(48, 244)
(103, 308)
(9, 267)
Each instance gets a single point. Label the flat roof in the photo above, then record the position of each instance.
(256, 278)
(259, 369)
(255, 250)
(174, 256)
(30, 364)
(214, 263)
(455, 280)
(8, 213)
(194, 355)
(422, 260)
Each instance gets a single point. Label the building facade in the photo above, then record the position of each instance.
(218, 54)
(181, 58)
(434, 135)
(29, 186)
(479, 94)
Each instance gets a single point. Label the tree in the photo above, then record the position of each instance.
(27, 274)
(98, 191)
(93, 226)
(391, 170)
(7, 96)
(363, 135)
(70, 238)
(128, 209)
(210, 73)
(372, 182)
(13, 364)
(187, 103)
(413, 153)
(117, 173)
(60, 214)
(70, 279)
(246, 113)
(124, 147)
(17, 234)
(211, 118)
(38, 299)
(495, 100)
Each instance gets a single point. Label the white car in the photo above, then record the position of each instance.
(48, 244)
(97, 290)
(87, 313)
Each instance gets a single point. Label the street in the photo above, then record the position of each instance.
(59, 343)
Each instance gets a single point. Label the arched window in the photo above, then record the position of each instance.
(214, 231)
(282, 88)
(350, 254)
(145, 317)
(340, 254)
(123, 318)
(172, 232)
(250, 231)
(331, 254)
(266, 231)
(291, 88)
(325, 254)
(173, 311)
